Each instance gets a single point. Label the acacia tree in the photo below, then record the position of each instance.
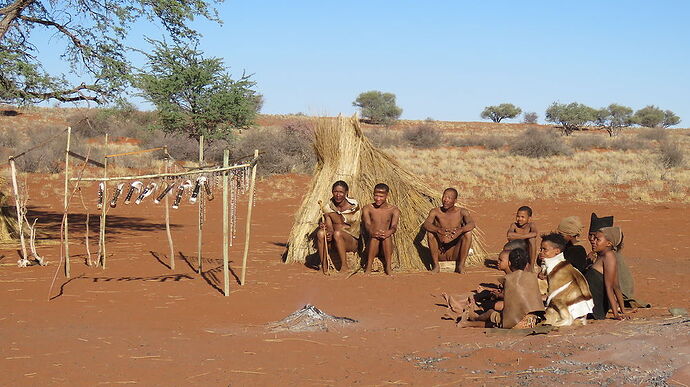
(378, 107)
(93, 34)
(571, 117)
(500, 112)
(195, 95)
(614, 118)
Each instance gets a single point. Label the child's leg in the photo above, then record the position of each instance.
(388, 254)
(373, 248)
(433, 247)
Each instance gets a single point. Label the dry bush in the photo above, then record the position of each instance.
(283, 150)
(10, 138)
(384, 138)
(670, 155)
(181, 147)
(626, 143)
(49, 157)
(115, 122)
(653, 134)
(423, 136)
(489, 141)
(587, 142)
(537, 143)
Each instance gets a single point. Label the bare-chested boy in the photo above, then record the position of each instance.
(523, 228)
(381, 222)
(341, 227)
(449, 231)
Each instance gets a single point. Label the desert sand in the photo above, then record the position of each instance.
(138, 322)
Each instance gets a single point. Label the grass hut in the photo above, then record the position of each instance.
(8, 220)
(344, 153)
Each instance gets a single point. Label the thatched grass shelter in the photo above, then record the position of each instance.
(8, 220)
(344, 153)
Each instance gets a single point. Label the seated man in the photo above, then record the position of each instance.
(449, 232)
(521, 297)
(340, 226)
(569, 297)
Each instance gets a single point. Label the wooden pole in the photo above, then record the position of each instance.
(167, 218)
(18, 204)
(226, 269)
(105, 204)
(199, 229)
(248, 225)
(67, 263)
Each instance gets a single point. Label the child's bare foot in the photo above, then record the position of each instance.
(435, 269)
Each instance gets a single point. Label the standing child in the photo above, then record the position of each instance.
(523, 228)
(380, 221)
(602, 276)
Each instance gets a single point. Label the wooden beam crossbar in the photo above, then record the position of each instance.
(174, 174)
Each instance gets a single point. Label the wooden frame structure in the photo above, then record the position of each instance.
(200, 170)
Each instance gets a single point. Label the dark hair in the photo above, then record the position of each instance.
(526, 209)
(382, 187)
(518, 259)
(340, 183)
(555, 239)
(451, 189)
(515, 244)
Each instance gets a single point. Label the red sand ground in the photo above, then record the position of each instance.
(140, 323)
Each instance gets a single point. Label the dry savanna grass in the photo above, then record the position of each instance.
(582, 176)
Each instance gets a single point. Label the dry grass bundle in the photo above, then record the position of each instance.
(344, 153)
(8, 219)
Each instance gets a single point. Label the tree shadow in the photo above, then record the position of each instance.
(62, 287)
(157, 256)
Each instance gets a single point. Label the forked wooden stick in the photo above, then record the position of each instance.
(325, 239)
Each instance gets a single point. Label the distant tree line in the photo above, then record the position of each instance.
(378, 107)
(575, 116)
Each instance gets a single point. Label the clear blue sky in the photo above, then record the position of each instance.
(449, 59)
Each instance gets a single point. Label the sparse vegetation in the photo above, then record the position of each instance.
(536, 143)
(670, 155)
(489, 141)
(378, 107)
(385, 138)
(423, 136)
(571, 117)
(501, 112)
(530, 118)
(653, 134)
(613, 118)
(651, 117)
(588, 141)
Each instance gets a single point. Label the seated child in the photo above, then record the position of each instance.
(524, 229)
(521, 297)
(602, 276)
(380, 221)
(569, 298)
